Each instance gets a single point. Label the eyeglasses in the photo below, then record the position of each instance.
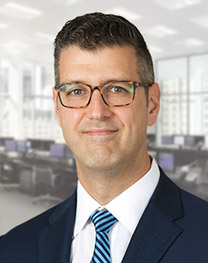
(114, 93)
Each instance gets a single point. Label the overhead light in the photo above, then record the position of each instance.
(155, 49)
(191, 42)
(125, 13)
(67, 2)
(201, 21)
(44, 36)
(14, 47)
(3, 26)
(192, 2)
(19, 11)
(14, 44)
(161, 31)
(177, 4)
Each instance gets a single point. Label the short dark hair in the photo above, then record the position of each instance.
(95, 31)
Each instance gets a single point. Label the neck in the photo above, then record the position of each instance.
(105, 185)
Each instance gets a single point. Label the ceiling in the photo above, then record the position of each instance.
(170, 27)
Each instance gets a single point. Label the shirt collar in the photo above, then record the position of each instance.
(138, 195)
(129, 206)
(86, 205)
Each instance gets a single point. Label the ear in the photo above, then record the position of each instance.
(154, 103)
(56, 106)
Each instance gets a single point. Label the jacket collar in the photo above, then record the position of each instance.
(157, 229)
(155, 233)
(54, 241)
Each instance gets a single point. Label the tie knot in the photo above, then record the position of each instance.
(102, 220)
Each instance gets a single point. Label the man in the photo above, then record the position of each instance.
(125, 209)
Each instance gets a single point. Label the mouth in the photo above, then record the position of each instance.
(100, 132)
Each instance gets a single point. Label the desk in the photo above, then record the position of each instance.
(63, 170)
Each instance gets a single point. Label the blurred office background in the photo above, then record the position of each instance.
(37, 170)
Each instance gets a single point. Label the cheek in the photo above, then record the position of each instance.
(70, 119)
(136, 116)
(136, 124)
(69, 123)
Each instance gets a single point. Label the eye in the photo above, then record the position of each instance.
(76, 92)
(118, 89)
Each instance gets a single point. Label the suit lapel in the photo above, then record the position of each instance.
(156, 231)
(154, 235)
(54, 241)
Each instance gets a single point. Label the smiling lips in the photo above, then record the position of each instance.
(100, 132)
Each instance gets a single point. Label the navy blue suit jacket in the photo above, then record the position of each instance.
(173, 229)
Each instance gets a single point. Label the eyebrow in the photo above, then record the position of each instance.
(106, 81)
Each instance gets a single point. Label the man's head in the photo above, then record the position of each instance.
(96, 31)
(95, 51)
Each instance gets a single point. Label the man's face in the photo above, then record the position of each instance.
(103, 137)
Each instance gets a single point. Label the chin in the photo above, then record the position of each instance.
(101, 164)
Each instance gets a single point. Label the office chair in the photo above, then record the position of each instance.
(65, 182)
(43, 185)
(9, 173)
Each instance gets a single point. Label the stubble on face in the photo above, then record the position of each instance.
(103, 138)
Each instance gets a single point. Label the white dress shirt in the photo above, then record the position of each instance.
(128, 208)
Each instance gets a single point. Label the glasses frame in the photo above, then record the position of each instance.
(135, 84)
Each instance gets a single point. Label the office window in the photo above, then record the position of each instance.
(198, 107)
(184, 89)
(27, 81)
(8, 95)
(38, 114)
(4, 86)
(171, 75)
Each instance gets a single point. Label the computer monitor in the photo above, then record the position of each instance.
(39, 144)
(190, 140)
(193, 140)
(3, 139)
(10, 145)
(167, 161)
(167, 139)
(45, 146)
(34, 143)
(199, 139)
(22, 146)
(179, 140)
(57, 150)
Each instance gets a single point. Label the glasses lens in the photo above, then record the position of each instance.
(118, 93)
(75, 94)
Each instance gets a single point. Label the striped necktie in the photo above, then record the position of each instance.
(103, 222)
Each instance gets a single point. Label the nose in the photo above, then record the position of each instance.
(97, 109)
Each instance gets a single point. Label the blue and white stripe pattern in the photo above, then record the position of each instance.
(103, 222)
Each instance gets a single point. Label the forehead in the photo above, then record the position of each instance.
(110, 62)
